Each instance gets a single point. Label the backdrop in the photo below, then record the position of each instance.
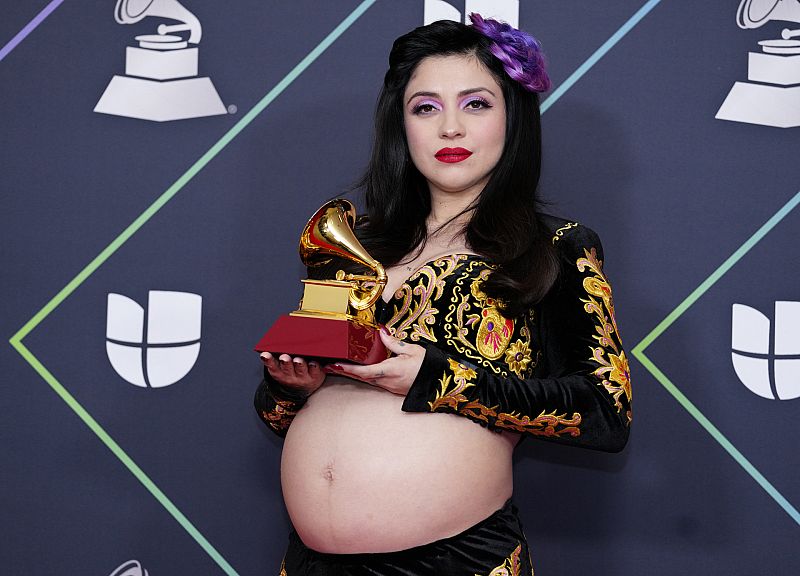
(143, 255)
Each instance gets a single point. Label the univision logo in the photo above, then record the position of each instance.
(156, 349)
(767, 361)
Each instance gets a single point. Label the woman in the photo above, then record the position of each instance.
(499, 318)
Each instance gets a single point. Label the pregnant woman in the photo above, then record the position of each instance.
(499, 317)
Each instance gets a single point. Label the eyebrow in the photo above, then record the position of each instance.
(460, 94)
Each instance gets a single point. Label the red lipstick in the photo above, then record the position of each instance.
(451, 155)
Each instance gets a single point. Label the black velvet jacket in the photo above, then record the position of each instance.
(557, 372)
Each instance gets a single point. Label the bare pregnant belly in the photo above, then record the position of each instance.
(360, 475)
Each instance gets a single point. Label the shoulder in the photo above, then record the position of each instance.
(571, 238)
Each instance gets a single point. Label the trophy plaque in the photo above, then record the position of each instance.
(336, 318)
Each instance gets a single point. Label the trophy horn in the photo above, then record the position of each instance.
(329, 232)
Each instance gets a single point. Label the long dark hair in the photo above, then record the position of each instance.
(504, 225)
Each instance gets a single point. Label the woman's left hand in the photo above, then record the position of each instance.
(395, 374)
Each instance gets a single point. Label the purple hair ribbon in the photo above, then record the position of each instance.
(520, 53)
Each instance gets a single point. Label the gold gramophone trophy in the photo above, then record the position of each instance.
(336, 319)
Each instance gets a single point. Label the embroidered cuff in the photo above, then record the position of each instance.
(423, 389)
(281, 392)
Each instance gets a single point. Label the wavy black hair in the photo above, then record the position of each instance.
(504, 226)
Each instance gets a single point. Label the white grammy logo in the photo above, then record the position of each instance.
(160, 81)
(130, 568)
(504, 10)
(771, 96)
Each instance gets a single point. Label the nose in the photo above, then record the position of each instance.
(451, 126)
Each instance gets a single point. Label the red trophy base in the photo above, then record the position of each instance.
(324, 338)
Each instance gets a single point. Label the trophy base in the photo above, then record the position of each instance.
(324, 338)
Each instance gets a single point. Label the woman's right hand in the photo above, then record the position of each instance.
(295, 372)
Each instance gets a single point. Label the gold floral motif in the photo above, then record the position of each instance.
(452, 397)
(451, 394)
(494, 333)
(613, 369)
(416, 317)
(560, 232)
(510, 567)
(518, 356)
(281, 416)
(460, 324)
(283, 568)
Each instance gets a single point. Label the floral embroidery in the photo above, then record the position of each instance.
(560, 232)
(613, 365)
(417, 318)
(511, 566)
(451, 395)
(494, 333)
(281, 416)
(482, 336)
(283, 568)
(518, 356)
(451, 398)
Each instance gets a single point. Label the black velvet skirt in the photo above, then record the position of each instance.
(495, 546)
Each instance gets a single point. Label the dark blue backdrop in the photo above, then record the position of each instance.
(184, 479)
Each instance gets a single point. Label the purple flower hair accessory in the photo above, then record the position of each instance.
(520, 53)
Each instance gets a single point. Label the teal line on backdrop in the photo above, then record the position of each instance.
(28, 28)
(598, 54)
(672, 317)
(166, 196)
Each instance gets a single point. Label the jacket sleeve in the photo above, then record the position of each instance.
(277, 405)
(579, 390)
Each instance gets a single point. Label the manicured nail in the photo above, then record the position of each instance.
(313, 365)
(385, 330)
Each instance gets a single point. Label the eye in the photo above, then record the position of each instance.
(425, 107)
(476, 104)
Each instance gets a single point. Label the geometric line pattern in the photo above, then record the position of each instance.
(161, 201)
(28, 28)
(688, 302)
(598, 54)
(83, 275)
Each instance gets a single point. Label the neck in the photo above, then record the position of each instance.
(446, 205)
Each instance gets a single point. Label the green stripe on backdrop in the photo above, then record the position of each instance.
(680, 310)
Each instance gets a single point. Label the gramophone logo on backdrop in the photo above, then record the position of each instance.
(130, 568)
(768, 366)
(771, 96)
(161, 81)
(157, 349)
(505, 10)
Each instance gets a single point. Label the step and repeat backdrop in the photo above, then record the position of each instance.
(160, 158)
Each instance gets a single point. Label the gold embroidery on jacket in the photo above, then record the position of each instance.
(283, 568)
(460, 322)
(511, 566)
(475, 328)
(451, 395)
(418, 316)
(281, 416)
(613, 367)
(518, 355)
(560, 232)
